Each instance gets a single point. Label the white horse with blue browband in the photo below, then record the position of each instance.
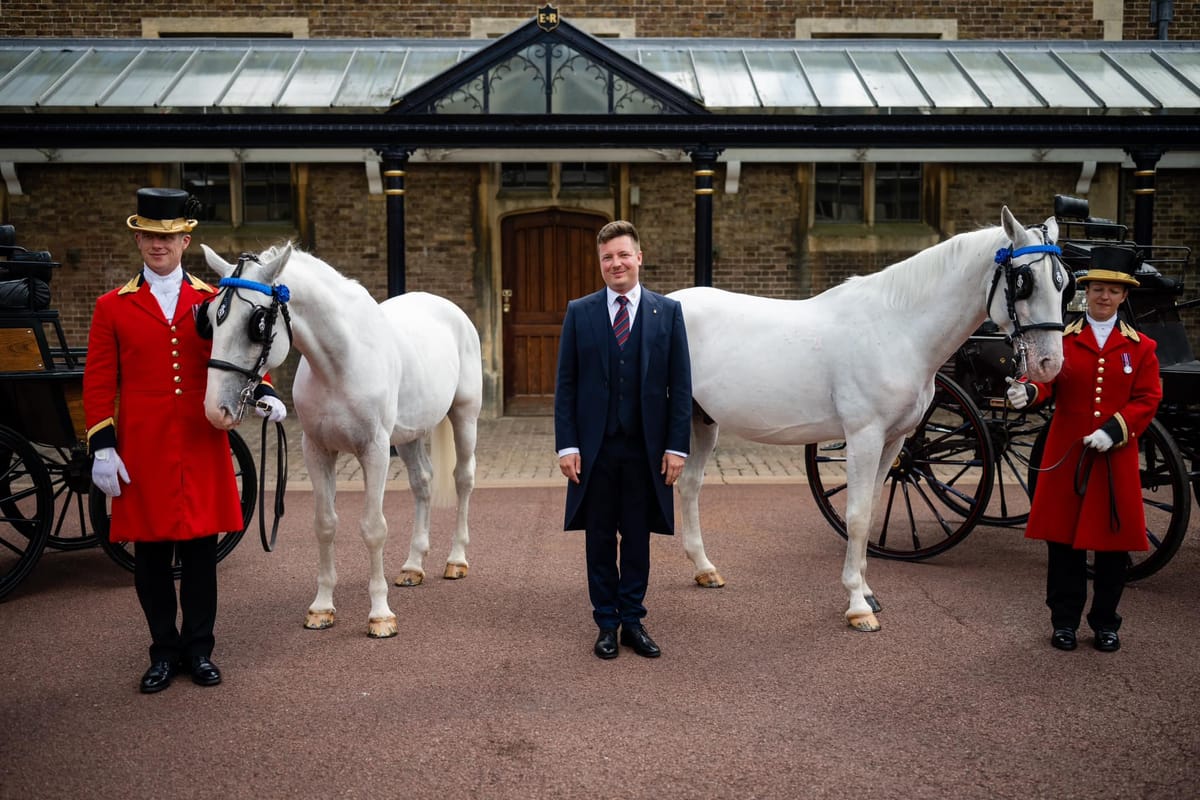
(373, 375)
(857, 363)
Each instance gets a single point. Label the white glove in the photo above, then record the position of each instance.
(1019, 394)
(106, 467)
(271, 407)
(1098, 440)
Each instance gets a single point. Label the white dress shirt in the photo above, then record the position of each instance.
(165, 289)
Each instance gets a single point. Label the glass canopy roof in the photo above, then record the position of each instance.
(725, 75)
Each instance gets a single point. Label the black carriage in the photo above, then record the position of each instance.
(973, 460)
(46, 494)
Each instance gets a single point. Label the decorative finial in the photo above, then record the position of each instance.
(547, 17)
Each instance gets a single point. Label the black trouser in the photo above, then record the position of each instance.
(1066, 587)
(155, 583)
(618, 494)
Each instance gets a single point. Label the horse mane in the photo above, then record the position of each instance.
(306, 258)
(908, 282)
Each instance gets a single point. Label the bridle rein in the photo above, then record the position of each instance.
(261, 329)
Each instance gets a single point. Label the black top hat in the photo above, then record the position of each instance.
(163, 211)
(1113, 265)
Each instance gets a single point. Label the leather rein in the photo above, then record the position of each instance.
(279, 299)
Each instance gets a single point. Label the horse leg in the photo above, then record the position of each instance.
(704, 439)
(862, 464)
(320, 464)
(420, 478)
(890, 451)
(465, 422)
(381, 622)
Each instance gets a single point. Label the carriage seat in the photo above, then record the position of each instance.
(1151, 279)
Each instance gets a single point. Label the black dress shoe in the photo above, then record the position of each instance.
(158, 677)
(204, 672)
(1107, 641)
(606, 643)
(1063, 638)
(635, 636)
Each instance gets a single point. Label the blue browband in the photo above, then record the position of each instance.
(280, 293)
(1007, 253)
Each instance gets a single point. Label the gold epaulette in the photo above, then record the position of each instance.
(198, 284)
(134, 284)
(1074, 327)
(1128, 332)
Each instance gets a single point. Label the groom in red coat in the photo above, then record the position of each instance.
(167, 470)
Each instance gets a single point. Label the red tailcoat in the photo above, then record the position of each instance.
(182, 484)
(1117, 388)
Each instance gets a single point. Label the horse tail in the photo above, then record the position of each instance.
(443, 493)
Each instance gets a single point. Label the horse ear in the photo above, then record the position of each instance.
(1010, 224)
(278, 261)
(1051, 229)
(216, 263)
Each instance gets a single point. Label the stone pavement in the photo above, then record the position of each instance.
(519, 451)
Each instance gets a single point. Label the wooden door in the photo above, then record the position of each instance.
(549, 258)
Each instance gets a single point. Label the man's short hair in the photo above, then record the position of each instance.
(618, 228)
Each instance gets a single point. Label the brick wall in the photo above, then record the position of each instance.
(771, 19)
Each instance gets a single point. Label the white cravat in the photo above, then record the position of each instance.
(165, 289)
(1101, 330)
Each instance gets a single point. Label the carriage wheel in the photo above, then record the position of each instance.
(26, 504)
(70, 479)
(1165, 497)
(1013, 436)
(247, 478)
(947, 458)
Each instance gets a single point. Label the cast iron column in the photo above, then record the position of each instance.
(704, 159)
(394, 161)
(1144, 162)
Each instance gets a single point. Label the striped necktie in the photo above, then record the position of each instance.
(621, 321)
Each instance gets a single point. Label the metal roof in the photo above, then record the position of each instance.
(727, 75)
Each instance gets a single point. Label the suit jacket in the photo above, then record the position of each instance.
(182, 484)
(1116, 388)
(582, 391)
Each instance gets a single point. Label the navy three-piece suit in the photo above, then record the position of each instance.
(623, 408)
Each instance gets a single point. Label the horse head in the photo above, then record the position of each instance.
(1028, 294)
(244, 321)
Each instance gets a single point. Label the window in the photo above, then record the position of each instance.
(839, 195)
(237, 194)
(524, 175)
(584, 175)
(867, 193)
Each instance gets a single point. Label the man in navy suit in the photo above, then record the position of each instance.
(622, 426)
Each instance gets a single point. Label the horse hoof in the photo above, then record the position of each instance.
(710, 579)
(873, 602)
(865, 623)
(455, 571)
(410, 577)
(318, 620)
(382, 628)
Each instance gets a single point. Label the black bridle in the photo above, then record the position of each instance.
(1019, 285)
(261, 328)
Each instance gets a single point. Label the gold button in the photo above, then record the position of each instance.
(1099, 389)
(174, 354)
(176, 366)
(1100, 370)
(1100, 361)
(1099, 380)
(180, 380)
(172, 329)
(179, 391)
(1097, 399)
(174, 341)
(1096, 414)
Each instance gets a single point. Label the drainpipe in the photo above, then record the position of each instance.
(1161, 14)
(704, 161)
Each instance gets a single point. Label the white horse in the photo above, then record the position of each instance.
(857, 363)
(372, 375)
